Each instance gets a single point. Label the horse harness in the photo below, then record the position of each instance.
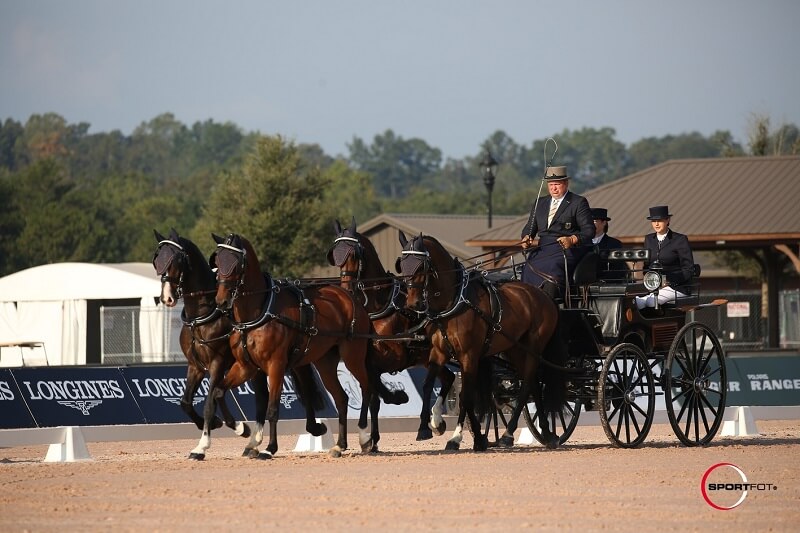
(467, 297)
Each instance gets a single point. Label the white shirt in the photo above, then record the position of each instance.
(597, 238)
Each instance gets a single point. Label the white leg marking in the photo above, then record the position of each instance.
(364, 435)
(457, 435)
(239, 430)
(256, 438)
(204, 444)
(436, 414)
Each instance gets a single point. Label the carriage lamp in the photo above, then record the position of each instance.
(652, 280)
(488, 165)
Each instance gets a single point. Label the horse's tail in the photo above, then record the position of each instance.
(483, 391)
(307, 389)
(554, 380)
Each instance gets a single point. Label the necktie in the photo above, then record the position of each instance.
(552, 213)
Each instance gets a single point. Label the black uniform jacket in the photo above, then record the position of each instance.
(572, 218)
(675, 256)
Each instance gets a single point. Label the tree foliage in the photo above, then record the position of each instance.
(277, 203)
(67, 194)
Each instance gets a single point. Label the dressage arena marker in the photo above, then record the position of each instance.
(738, 422)
(72, 448)
(526, 437)
(309, 443)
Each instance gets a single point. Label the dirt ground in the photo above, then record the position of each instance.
(585, 485)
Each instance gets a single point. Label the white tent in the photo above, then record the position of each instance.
(44, 308)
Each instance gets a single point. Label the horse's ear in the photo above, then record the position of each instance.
(403, 240)
(353, 224)
(337, 227)
(217, 238)
(159, 237)
(173, 234)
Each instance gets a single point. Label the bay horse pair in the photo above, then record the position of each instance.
(185, 274)
(205, 340)
(384, 296)
(279, 327)
(470, 319)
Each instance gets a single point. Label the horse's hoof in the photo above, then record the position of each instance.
(317, 430)
(506, 441)
(481, 444)
(396, 398)
(440, 429)
(452, 446)
(245, 431)
(552, 443)
(335, 452)
(264, 456)
(374, 449)
(424, 434)
(250, 453)
(197, 456)
(216, 423)
(367, 446)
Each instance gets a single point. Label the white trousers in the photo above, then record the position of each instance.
(665, 295)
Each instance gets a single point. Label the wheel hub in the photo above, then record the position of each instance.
(701, 384)
(630, 396)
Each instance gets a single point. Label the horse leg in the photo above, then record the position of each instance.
(357, 366)
(309, 396)
(275, 379)
(469, 387)
(549, 437)
(194, 377)
(424, 432)
(374, 408)
(259, 385)
(446, 379)
(327, 368)
(398, 397)
(216, 372)
(458, 433)
(235, 375)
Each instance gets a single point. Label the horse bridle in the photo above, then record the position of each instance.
(230, 267)
(343, 247)
(409, 263)
(162, 267)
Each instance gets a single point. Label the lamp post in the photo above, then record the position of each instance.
(488, 165)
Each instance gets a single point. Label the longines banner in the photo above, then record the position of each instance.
(96, 396)
(77, 396)
(13, 411)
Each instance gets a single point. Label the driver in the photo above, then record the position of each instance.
(562, 220)
(671, 250)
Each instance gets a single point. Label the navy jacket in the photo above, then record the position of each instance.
(572, 218)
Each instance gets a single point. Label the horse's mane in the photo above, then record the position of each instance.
(192, 249)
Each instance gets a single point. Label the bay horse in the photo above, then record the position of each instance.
(279, 327)
(472, 318)
(185, 274)
(205, 340)
(384, 296)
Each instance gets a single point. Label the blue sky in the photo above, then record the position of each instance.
(448, 72)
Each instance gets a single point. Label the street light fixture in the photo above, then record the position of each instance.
(488, 165)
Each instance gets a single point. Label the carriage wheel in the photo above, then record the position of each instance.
(695, 384)
(626, 396)
(566, 420)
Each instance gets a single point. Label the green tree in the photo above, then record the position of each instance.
(651, 151)
(396, 165)
(277, 203)
(10, 132)
(350, 193)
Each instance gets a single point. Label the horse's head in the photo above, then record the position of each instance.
(416, 266)
(347, 253)
(230, 260)
(171, 263)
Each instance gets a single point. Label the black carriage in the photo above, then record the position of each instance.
(625, 361)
